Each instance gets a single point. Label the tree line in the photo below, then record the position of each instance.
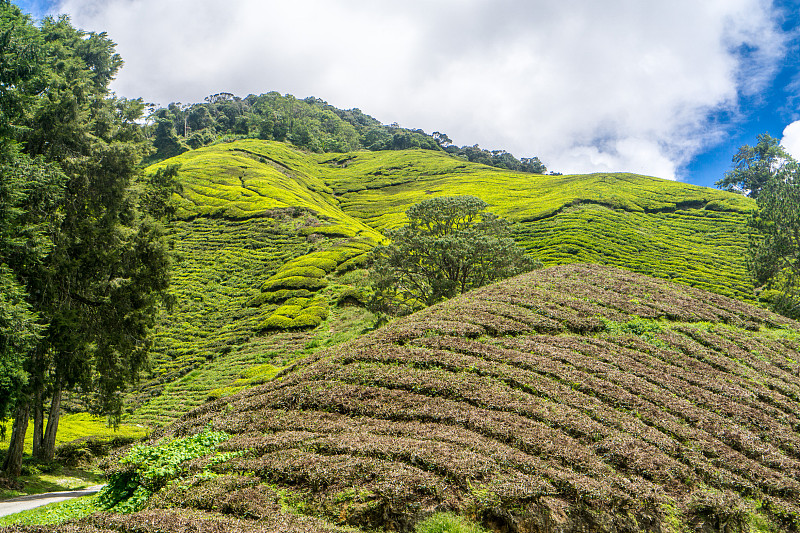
(310, 123)
(84, 265)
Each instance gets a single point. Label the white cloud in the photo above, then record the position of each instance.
(791, 139)
(585, 85)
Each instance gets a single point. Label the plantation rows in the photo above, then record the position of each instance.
(694, 235)
(699, 247)
(613, 399)
(219, 265)
(273, 520)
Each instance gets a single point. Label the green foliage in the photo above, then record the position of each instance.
(447, 523)
(723, 511)
(637, 326)
(311, 124)
(297, 313)
(19, 332)
(755, 166)
(55, 513)
(159, 188)
(696, 247)
(145, 469)
(255, 375)
(94, 265)
(498, 158)
(774, 248)
(449, 246)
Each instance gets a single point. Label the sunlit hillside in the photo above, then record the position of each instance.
(271, 244)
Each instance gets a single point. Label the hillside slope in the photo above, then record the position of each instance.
(575, 398)
(271, 243)
(664, 228)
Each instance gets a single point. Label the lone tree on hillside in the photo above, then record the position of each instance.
(754, 166)
(775, 242)
(450, 245)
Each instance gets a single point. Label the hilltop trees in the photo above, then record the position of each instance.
(311, 124)
(774, 245)
(85, 264)
(755, 166)
(769, 174)
(450, 245)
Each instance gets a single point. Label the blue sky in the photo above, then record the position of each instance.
(669, 89)
(769, 111)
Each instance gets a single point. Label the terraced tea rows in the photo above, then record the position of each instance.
(691, 234)
(699, 247)
(570, 399)
(219, 265)
(268, 233)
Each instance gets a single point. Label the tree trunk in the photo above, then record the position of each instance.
(38, 422)
(13, 465)
(49, 441)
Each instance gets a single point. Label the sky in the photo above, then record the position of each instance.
(668, 89)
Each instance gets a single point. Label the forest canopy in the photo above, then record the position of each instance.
(310, 123)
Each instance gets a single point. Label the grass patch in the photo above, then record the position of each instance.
(54, 513)
(81, 425)
(448, 523)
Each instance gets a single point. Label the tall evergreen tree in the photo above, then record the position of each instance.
(97, 289)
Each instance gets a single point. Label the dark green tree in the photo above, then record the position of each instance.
(754, 166)
(97, 288)
(775, 241)
(30, 192)
(450, 245)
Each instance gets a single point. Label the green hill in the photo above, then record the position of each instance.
(575, 398)
(271, 241)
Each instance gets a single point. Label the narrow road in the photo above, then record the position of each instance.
(23, 503)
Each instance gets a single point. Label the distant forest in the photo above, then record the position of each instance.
(311, 124)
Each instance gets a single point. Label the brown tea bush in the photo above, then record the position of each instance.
(575, 398)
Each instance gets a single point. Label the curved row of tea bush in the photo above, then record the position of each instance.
(263, 249)
(574, 397)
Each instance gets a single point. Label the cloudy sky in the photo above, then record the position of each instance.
(669, 89)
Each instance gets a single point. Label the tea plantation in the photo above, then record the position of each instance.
(574, 398)
(271, 244)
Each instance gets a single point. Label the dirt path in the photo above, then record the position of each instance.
(23, 503)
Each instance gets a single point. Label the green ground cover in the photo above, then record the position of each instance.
(267, 236)
(80, 425)
(54, 513)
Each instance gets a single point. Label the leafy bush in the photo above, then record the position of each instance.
(145, 469)
(85, 449)
(714, 510)
(450, 245)
(297, 313)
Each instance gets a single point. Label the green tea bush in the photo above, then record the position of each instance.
(308, 271)
(294, 282)
(297, 313)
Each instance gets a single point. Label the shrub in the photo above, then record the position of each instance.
(297, 313)
(448, 523)
(294, 282)
(85, 449)
(145, 469)
(714, 510)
